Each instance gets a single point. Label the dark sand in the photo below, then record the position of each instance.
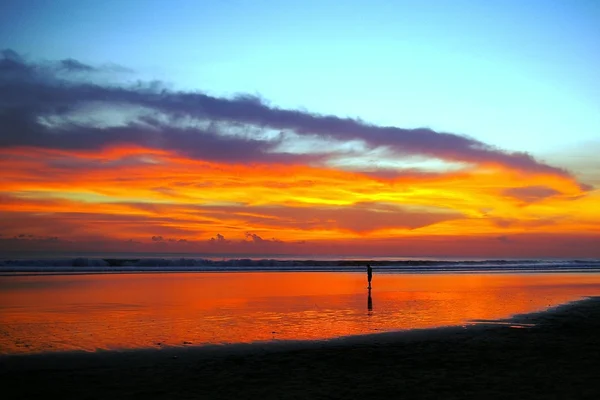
(559, 358)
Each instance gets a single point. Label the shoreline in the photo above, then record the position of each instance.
(556, 357)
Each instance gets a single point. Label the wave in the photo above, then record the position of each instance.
(82, 264)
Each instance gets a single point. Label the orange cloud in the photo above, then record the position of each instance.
(133, 167)
(132, 193)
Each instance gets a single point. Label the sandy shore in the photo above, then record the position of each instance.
(557, 358)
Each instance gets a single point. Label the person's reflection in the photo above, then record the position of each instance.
(370, 303)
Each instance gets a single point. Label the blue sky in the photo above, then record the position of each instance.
(521, 75)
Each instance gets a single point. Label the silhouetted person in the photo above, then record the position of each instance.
(370, 303)
(369, 274)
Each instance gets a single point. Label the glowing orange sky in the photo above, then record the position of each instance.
(131, 198)
(94, 163)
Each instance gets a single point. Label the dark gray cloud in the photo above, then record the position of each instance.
(12, 65)
(29, 91)
(37, 238)
(72, 65)
(219, 239)
(163, 240)
(254, 238)
(530, 194)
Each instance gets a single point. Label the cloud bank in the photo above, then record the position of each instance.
(94, 162)
(70, 105)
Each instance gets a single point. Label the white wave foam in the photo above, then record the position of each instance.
(82, 264)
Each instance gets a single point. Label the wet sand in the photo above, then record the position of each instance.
(559, 357)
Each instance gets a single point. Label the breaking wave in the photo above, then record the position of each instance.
(90, 265)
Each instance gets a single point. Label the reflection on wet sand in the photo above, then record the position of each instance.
(66, 312)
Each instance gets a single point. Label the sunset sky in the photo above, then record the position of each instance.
(390, 128)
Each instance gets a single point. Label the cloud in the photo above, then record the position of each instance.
(28, 237)
(520, 245)
(526, 223)
(219, 239)
(44, 105)
(254, 238)
(530, 194)
(250, 238)
(161, 239)
(72, 65)
(60, 219)
(359, 218)
(12, 65)
(504, 239)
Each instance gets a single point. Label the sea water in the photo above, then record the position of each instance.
(91, 311)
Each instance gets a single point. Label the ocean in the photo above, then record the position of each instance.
(85, 304)
(133, 262)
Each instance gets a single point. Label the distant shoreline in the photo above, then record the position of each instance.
(557, 357)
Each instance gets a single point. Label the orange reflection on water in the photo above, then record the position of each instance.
(117, 311)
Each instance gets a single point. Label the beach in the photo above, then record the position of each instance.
(553, 354)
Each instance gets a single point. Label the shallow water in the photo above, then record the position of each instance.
(44, 313)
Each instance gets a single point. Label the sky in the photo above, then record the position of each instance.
(390, 128)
